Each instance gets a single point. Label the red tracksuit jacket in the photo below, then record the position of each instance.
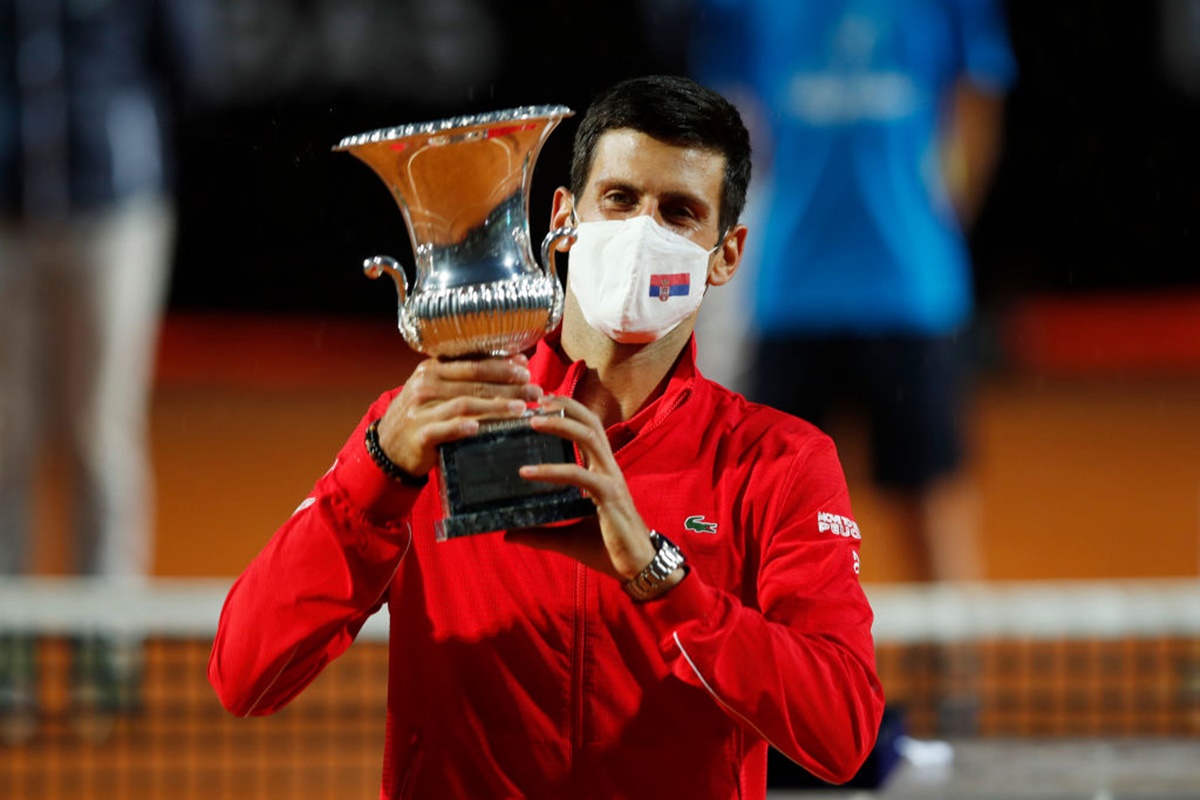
(520, 673)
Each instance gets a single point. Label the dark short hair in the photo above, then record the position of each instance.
(677, 111)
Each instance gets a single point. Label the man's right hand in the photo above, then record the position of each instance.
(444, 401)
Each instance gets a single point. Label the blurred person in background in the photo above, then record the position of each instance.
(86, 235)
(878, 125)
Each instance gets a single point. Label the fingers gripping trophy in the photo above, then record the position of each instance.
(463, 185)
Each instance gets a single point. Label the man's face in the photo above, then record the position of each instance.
(634, 174)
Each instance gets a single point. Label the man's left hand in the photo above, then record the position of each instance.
(621, 546)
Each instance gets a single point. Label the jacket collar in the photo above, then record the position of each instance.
(557, 374)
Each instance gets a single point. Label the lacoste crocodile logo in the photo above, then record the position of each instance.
(698, 524)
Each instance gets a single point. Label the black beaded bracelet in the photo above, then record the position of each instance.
(386, 464)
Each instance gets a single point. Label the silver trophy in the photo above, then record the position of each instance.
(463, 185)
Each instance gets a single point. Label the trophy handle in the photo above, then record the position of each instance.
(376, 266)
(567, 232)
(553, 238)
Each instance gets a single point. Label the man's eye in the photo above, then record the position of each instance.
(681, 214)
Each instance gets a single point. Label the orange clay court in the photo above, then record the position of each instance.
(1086, 452)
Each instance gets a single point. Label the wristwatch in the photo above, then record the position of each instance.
(651, 581)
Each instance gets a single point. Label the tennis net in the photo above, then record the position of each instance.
(1020, 660)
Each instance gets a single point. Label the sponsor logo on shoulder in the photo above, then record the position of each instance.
(697, 524)
(838, 525)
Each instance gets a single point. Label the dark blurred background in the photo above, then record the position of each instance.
(1098, 188)
(272, 220)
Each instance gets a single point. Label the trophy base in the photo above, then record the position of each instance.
(483, 492)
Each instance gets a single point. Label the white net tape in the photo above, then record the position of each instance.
(190, 607)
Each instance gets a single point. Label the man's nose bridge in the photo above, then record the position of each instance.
(650, 208)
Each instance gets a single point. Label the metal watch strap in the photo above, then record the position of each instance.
(649, 583)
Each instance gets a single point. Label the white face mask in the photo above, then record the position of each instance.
(635, 280)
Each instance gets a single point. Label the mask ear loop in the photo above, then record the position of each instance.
(720, 241)
(712, 252)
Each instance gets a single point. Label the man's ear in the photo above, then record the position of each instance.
(560, 213)
(729, 257)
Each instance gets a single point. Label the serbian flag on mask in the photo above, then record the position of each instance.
(674, 285)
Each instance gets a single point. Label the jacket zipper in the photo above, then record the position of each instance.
(578, 658)
(579, 621)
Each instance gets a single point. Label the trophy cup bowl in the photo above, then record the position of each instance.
(462, 185)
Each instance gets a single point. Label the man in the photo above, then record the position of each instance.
(881, 122)
(554, 662)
